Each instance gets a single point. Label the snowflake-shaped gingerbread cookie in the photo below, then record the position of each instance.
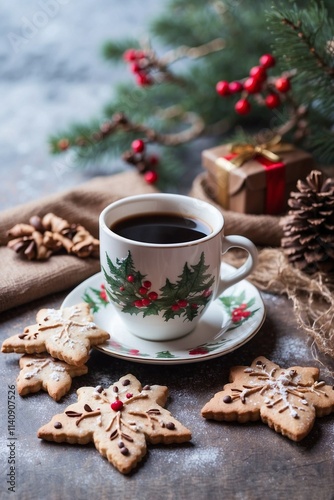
(67, 334)
(288, 400)
(119, 420)
(41, 371)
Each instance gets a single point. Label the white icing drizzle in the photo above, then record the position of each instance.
(54, 314)
(40, 364)
(55, 319)
(277, 389)
(87, 326)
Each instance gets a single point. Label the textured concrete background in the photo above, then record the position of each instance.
(52, 74)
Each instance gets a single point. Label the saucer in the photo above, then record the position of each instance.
(228, 323)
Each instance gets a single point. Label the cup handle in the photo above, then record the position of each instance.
(236, 241)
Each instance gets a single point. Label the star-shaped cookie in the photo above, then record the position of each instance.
(288, 400)
(43, 372)
(118, 420)
(67, 334)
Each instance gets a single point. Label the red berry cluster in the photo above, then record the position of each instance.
(257, 82)
(180, 304)
(144, 291)
(145, 165)
(140, 65)
(240, 313)
(198, 350)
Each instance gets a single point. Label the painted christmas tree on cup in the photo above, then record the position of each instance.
(133, 291)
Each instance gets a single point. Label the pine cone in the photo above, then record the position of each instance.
(308, 229)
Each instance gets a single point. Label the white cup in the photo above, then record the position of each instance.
(161, 290)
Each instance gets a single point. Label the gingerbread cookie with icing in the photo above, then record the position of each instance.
(67, 334)
(119, 420)
(43, 372)
(288, 400)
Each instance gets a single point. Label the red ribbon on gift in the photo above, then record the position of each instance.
(275, 183)
(266, 155)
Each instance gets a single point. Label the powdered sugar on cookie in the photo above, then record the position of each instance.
(119, 420)
(43, 372)
(67, 334)
(287, 400)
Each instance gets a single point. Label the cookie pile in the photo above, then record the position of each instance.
(56, 349)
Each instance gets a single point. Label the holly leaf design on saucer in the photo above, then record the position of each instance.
(96, 298)
(237, 309)
(165, 354)
(200, 350)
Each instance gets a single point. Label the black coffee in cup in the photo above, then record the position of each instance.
(161, 228)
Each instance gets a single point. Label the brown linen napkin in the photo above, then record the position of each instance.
(22, 281)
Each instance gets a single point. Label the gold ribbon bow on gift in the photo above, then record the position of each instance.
(244, 153)
(268, 150)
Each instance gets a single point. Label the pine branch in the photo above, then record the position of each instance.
(173, 104)
(114, 50)
(307, 33)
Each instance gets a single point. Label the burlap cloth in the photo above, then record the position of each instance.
(22, 281)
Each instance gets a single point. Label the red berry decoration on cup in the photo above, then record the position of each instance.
(153, 296)
(138, 303)
(183, 303)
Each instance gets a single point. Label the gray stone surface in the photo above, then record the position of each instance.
(52, 74)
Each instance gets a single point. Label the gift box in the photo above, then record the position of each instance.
(255, 179)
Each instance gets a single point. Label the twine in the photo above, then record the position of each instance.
(312, 296)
